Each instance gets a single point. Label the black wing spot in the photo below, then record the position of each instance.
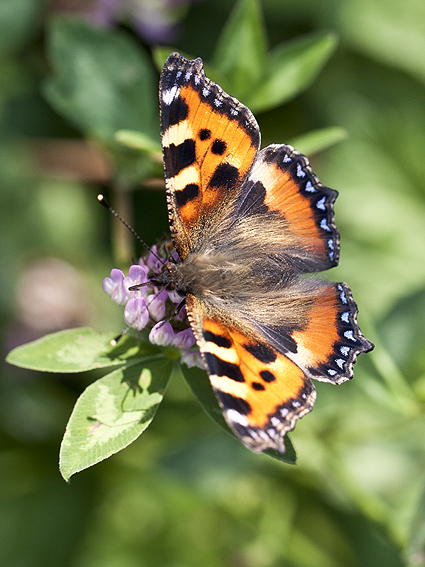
(218, 340)
(204, 134)
(233, 402)
(178, 111)
(267, 376)
(261, 352)
(179, 157)
(220, 367)
(219, 147)
(225, 175)
(258, 386)
(190, 192)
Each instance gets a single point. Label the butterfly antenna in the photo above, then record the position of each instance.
(105, 203)
(136, 287)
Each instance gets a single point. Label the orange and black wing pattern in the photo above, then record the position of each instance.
(261, 392)
(327, 344)
(282, 182)
(209, 143)
(262, 382)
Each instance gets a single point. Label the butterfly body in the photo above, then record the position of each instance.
(251, 228)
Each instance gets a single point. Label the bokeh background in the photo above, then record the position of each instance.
(187, 494)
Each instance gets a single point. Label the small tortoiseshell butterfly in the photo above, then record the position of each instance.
(249, 226)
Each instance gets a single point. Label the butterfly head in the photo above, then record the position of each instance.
(168, 278)
(152, 297)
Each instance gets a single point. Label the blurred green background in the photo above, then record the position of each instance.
(186, 494)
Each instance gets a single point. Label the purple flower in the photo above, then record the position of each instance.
(155, 20)
(175, 297)
(114, 286)
(192, 359)
(184, 339)
(137, 274)
(136, 313)
(181, 315)
(153, 261)
(156, 305)
(153, 308)
(162, 334)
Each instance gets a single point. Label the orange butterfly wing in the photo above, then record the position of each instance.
(281, 181)
(209, 143)
(261, 392)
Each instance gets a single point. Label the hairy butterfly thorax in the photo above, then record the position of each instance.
(169, 278)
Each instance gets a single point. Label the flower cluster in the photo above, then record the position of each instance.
(148, 307)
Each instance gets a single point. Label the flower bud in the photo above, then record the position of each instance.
(156, 305)
(136, 313)
(192, 359)
(162, 334)
(184, 339)
(115, 288)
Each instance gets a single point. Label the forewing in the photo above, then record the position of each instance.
(209, 142)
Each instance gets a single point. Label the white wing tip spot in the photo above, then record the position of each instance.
(345, 317)
(170, 95)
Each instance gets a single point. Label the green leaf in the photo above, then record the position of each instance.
(161, 53)
(318, 140)
(198, 382)
(18, 23)
(290, 457)
(414, 554)
(402, 331)
(102, 81)
(291, 68)
(200, 385)
(139, 141)
(240, 55)
(112, 412)
(380, 31)
(75, 350)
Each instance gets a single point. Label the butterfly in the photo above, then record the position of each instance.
(251, 228)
